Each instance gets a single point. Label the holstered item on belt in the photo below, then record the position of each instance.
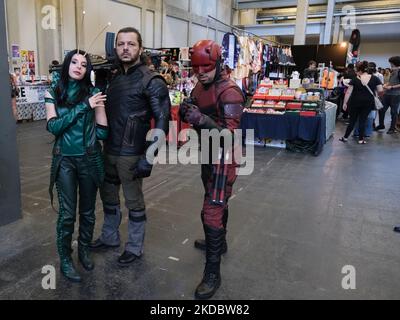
(220, 175)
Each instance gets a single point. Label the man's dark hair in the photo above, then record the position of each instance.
(131, 30)
(350, 66)
(311, 62)
(395, 61)
(372, 68)
(362, 66)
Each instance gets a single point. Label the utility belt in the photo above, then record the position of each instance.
(90, 150)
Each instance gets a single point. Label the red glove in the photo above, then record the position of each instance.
(194, 116)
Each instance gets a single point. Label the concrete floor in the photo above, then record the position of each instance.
(294, 224)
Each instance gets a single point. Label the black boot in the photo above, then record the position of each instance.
(201, 243)
(84, 258)
(86, 227)
(68, 270)
(65, 229)
(211, 277)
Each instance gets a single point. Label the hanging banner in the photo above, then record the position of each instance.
(31, 94)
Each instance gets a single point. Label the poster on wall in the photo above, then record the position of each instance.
(31, 61)
(15, 51)
(24, 63)
(24, 56)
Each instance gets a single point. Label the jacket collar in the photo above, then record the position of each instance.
(131, 69)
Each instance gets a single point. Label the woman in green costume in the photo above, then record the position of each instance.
(76, 117)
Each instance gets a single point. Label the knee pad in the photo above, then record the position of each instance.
(111, 209)
(137, 215)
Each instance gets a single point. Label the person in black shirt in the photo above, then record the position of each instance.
(350, 72)
(311, 72)
(362, 101)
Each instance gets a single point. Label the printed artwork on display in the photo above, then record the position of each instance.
(24, 69)
(15, 51)
(31, 60)
(24, 63)
(24, 56)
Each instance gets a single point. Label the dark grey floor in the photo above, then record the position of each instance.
(294, 224)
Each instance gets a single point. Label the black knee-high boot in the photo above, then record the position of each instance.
(86, 227)
(211, 278)
(65, 229)
(201, 244)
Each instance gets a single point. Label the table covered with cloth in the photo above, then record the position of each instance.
(289, 127)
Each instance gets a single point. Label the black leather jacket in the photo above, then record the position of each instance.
(133, 99)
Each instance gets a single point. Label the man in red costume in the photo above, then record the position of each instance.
(216, 103)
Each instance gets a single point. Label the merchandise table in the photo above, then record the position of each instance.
(288, 127)
(30, 102)
(330, 111)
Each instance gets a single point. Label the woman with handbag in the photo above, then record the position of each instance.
(363, 100)
(76, 117)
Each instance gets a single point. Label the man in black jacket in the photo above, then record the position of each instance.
(135, 95)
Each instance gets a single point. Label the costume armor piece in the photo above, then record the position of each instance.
(204, 56)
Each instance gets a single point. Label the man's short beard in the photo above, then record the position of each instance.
(133, 61)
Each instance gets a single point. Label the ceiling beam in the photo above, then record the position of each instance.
(283, 29)
(271, 4)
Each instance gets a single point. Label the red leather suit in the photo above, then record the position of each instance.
(222, 101)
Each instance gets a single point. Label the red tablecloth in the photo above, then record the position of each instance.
(180, 125)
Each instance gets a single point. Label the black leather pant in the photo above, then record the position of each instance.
(73, 177)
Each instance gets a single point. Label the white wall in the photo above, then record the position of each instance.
(379, 52)
(224, 11)
(21, 24)
(220, 37)
(159, 28)
(182, 4)
(175, 33)
(198, 33)
(99, 13)
(148, 37)
(68, 25)
(204, 7)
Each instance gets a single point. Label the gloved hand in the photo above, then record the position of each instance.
(185, 106)
(194, 116)
(141, 169)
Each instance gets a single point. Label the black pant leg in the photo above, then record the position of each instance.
(354, 113)
(382, 112)
(66, 183)
(87, 202)
(363, 117)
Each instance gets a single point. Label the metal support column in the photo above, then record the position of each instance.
(10, 189)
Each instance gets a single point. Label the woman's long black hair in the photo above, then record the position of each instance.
(85, 84)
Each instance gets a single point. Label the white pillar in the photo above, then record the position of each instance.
(322, 34)
(336, 31)
(301, 22)
(329, 20)
(341, 35)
